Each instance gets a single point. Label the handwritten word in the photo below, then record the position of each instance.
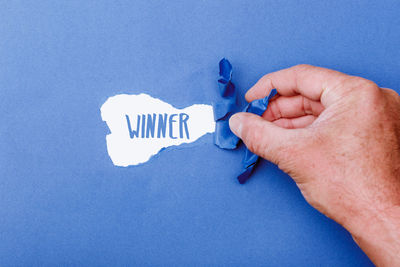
(146, 125)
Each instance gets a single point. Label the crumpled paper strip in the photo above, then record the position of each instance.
(250, 159)
(225, 108)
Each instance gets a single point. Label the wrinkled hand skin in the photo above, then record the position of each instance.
(338, 137)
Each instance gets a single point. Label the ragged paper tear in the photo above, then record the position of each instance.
(141, 126)
(225, 107)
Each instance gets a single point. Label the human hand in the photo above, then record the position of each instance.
(338, 137)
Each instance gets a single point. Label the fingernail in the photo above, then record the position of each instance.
(235, 123)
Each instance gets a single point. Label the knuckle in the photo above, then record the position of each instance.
(362, 85)
(264, 78)
(301, 67)
(288, 124)
(365, 91)
(284, 123)
(275, 110)
(391, 93)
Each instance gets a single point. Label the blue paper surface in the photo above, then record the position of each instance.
(63, 202)
(225, 107)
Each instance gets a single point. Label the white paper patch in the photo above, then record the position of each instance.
(141, 126)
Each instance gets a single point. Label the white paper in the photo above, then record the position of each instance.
(133, 147)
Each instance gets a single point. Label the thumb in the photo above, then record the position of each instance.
(263, 137)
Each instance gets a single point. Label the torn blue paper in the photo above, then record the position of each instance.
(250, 159)
(225, 107)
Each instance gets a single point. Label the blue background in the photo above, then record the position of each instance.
(61, 199)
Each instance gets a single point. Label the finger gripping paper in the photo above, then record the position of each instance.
(225, 107)
(250, 159)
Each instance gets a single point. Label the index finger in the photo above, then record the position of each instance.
(315, 83)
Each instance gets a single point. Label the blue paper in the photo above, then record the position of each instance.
(250, 159)
(63, 202)
(225, 107)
